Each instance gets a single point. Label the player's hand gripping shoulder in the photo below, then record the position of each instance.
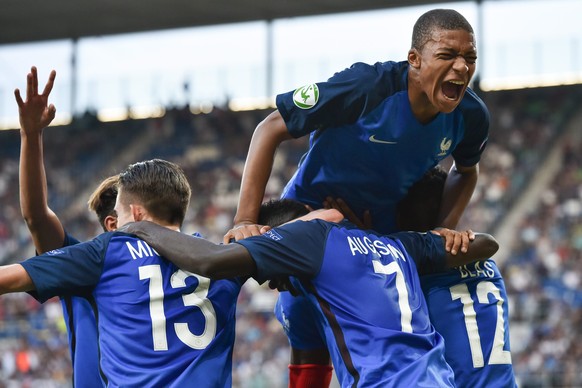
(35, 113)
(455, 240)
(365, 222)
(482, 246)
(245, 230)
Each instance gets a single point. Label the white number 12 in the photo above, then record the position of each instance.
(484, 289)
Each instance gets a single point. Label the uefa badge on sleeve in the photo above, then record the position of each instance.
(306, 97)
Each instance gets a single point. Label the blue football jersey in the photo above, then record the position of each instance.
(365, 291)
(366, 146)
(82, 331)
(469, 307)
(157, 325)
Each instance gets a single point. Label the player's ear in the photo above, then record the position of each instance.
(414, 58)
(110, 223)
(137, 211)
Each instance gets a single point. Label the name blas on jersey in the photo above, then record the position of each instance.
(365, 245)
(477, 269)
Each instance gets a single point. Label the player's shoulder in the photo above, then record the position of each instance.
(388, 75)
(473, 105)
(105, 239)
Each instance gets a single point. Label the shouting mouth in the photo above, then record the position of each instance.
(452, 89)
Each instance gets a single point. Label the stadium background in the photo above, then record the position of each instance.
(528, 194)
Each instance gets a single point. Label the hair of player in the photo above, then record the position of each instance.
(160, 186)
(419, 209)
(102, 200)
(278, 211)
(437, 19)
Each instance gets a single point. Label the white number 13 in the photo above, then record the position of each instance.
(196, 298)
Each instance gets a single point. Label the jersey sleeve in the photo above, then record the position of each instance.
(295, 249)
(426, 249)
(342, 99)
(70, 240)
(476, 115)
(68, 271)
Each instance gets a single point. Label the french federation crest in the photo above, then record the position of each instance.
(306, 97)
(445, 146)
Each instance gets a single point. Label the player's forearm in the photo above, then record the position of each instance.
(46, 230)
(483, 247)
(14, 278)
(193, 254)
(33, 199)
(266, 139)
(459, 188)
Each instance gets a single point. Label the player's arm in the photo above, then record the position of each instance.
(35, 114)
(264, 143)
(14, 278)
(458, 190)
(194, 254)
(482, 247)
(428, 250)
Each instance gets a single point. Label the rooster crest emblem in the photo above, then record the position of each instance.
(445, 146)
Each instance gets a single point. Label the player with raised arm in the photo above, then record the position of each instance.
(157, 325)
(46, 229)
(363, 288)
(374, 131)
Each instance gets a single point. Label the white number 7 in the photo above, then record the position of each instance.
(405, 311)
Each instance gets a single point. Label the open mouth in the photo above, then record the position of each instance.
(453, 89)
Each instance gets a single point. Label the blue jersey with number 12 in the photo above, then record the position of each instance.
(468, 306)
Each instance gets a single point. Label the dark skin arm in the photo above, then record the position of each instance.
(35, 114)
(459, 188)
(225, 261)
(482, 247)
(454, 241)
(193, 254)
(268, 135)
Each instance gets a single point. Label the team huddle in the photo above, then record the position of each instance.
(374, 282)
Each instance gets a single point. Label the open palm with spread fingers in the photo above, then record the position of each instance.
(35, 113)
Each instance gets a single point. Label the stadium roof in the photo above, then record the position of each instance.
(33, 20)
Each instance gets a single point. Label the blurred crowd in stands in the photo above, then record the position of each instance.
(543, 272)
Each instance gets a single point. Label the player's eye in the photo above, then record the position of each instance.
(471, 59)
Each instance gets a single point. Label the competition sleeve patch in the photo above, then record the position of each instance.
(273, 235)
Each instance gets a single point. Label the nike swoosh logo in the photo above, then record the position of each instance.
(374, 140)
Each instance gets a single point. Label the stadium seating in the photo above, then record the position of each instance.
(543, 272)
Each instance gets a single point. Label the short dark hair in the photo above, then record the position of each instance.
(278, 211)
(419, 209)
(102, 200)
(437, 19)
(160, 186)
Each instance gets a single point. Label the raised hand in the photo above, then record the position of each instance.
(35, 113)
